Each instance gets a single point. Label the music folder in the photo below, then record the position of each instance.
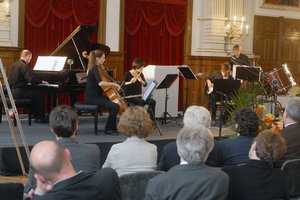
(149, 91)
(226, 86)
(186, 72)
(168, 81)
(247, 73)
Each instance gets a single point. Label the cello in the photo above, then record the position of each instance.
(111, 92)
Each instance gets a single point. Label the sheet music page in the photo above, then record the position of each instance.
(149, 91)
(50, 63)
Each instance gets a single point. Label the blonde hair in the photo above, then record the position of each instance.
(135, 121)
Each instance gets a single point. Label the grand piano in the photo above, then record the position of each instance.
(65, 81)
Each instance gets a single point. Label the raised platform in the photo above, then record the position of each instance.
(9, 164)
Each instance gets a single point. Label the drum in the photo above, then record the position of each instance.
(279, 80)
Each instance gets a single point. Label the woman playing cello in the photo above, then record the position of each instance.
(94, 89)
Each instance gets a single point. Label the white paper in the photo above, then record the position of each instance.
(50, 63)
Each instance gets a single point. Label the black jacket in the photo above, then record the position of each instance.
(20, 75)
(256, 180)
(103, 185)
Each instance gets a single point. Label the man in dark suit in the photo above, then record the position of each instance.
(19, 76)
(64, 124)
(223, 73)
(291, 132)
(57, 178)
(238, 58)
(192, 179)
(194, 117)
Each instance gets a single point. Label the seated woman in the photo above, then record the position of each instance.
(257, 179)
(135, 153)
(132, 85)
(235, 151)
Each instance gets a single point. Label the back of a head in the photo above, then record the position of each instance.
(138, 63)
(225, 67)
(247, 121)
(293, 109)
(194, 144)
(196, 116)
(63, 121)
(25, 53)
(135, 121)
(270, 146)
(48, 158)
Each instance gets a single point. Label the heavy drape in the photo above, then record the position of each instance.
(154, 31)
(49, 22)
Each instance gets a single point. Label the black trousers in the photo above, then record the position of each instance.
(214, 98)
(140, 102)
(113, 108)
(37, 107)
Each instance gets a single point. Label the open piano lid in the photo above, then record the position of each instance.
(76, 43)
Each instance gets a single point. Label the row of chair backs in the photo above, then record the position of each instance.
(133, 186)
(292, 170)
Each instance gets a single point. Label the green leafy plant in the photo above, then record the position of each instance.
(245, 98)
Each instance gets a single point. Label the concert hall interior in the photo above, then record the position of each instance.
(224, 72)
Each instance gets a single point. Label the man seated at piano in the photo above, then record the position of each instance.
(222, 73)
(95, 92)
(133, 82)
(20, 76)
(238, 58)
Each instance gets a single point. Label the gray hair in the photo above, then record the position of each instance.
(196, 116)
(293, 109)
(194, 144)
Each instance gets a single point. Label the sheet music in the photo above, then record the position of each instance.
(149, 91)
(50, 63)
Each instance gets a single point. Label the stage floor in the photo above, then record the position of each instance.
(38, 132)
(9, 164)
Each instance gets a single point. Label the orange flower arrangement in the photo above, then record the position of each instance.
(266, 121)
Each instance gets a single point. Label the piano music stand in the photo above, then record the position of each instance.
(165, 84)
(187, 74)
(225, 87)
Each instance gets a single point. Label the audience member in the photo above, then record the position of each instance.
(192, 179)
(235, 151)
(194, 117)
(135, 153)
(57, 178)
(291, 132)
(257, 179)
(64, 124)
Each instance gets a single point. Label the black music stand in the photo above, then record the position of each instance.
(225, 88)
(251, 74)
(165, 84)
(187, 74)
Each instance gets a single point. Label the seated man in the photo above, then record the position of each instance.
(291, 132)
(257, 179)
(57, 178)
(192, 179)
(194, 117)
(223, 73)
(64, 124)
(20, 75)
(235, 151)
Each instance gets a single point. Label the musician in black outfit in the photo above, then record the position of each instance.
(132, 85)
(238, 58)
(19, 76)
(95, 92)
(223, 73)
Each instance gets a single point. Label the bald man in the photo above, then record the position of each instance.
(57, 178)
(19, 76)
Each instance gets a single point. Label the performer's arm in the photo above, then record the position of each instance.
(142, 80)
(104, 83)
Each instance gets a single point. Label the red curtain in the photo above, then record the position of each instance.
(49, 22)
(154, 31)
